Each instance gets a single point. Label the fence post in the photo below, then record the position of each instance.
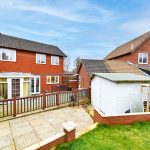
(44, 101)
(89, 92)
(14, 106)
(76, 96)
(57, 99)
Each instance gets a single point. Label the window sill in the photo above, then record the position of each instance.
(41, 63)
(8, 60)
(52, 83)
(55, 64)
(143, 63)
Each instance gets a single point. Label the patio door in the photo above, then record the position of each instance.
(15, 87)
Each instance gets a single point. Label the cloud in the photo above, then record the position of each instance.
(42, 33)
(68, 10)
(138, 26)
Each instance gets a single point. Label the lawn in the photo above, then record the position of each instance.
(119, 137)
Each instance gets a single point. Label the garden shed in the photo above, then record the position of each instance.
(118, 93)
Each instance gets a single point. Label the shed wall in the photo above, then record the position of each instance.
(113, 98)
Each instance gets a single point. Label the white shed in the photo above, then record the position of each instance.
(117, 93)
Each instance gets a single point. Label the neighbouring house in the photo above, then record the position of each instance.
(118, 93)
(89, 66)
(28, 67)
(136, 51)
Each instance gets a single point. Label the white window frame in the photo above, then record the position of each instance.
(35, 85)
(53, 57)
(10, 50)
(50, 80)
(40, 55)
(142, 58)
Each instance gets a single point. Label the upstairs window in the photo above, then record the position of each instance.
(54, 60)
(7, 54)
(52, 79)
(142, 58)
(40, 58)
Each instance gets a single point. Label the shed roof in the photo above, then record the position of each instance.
(123, 77)
(7, 41)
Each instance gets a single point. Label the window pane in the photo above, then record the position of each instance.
(13, 55)
(32, 85)
(5, 55)
(3, 90)
(140, 58)
(48, 79)
(37, 84)
(144, 58)
(53, 79)
(43, 59)
(38, 58)
(56, 79)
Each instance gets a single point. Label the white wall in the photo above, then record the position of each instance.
(110, 97)
(103, 95)
(95, 92)
(123, 95)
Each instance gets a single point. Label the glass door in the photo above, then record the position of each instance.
(15, 87)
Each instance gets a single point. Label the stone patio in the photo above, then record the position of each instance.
(21, 133)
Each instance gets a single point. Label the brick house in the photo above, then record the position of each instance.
(136, 51)
(89, 66)
(28, 67)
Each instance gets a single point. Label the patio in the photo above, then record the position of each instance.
(21, 133)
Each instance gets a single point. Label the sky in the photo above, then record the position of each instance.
(80, 28)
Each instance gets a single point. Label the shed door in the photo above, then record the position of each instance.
(136, 103)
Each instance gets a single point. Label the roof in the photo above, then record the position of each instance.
(23, 44)
(123, 77)
(128, 47)
(144, 67)
(108, 66)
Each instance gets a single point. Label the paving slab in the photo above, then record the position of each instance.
(30, 131)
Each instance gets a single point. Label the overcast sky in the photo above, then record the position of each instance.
(85, 28)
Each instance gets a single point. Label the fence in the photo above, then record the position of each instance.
(12, 107)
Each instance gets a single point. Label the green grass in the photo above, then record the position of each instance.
(119, 137)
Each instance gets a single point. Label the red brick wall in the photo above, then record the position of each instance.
(26, 63)
(145, 47)
(128, 119)
(84, 78)
(53, 144)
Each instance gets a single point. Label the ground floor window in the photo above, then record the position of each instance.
(3, 88)
(35, 85)
(52, 79)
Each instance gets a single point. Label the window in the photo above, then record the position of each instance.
(7, 54)
(142, 58)
(35, 85)
(54, 60)
(3, 88)
(40, 58)
(52, 79)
